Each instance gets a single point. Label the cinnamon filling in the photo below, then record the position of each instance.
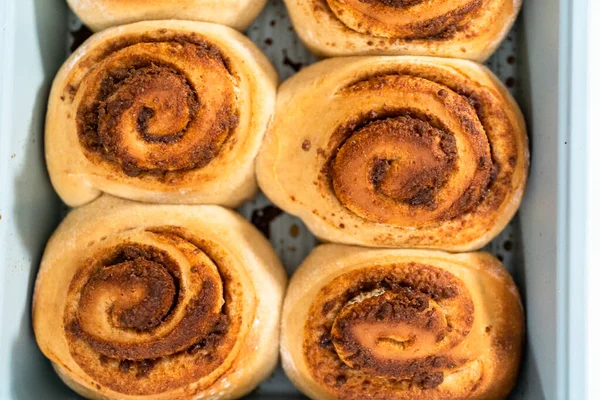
(411, 162)
(421, 163)
(384, 329)
(393, 3)
(132, 316)
(145, 280)
(406, 19)
(154, 107)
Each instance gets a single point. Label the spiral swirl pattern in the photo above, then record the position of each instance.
(159, 107)
(155, 110)
(393, 324)
(159, 303)
(404, 152)
(151, 313)
(410, 19)
(405, 170)
(398, 324)
(470, 29)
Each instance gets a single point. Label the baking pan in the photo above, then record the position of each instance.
(542, 62)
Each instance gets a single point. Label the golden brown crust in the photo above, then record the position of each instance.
(101, 14)
(469, 29)
(397, 152)
(401, 324)
(158, 302)
(165, 111)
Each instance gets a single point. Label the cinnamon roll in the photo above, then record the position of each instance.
(401, 324)
(140, 301)
(471, 29)
(397, 152)
(164, 111)
(101, 14)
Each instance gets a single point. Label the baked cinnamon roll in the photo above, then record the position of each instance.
(101, 14)
(471, 29)
(401, 325)
(139, 301)
(397, 152)
(164, 111)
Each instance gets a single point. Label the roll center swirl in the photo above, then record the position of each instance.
(404, 159)
(141, 294)
(159, 107)
(419, 159)
(162, 100)
(137, 290)
(388, 328)
(153, 302)
(380, 331)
